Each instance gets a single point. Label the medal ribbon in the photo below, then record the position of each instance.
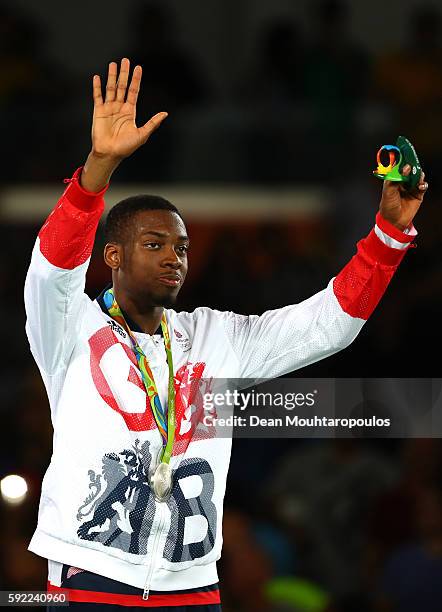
(165, 423)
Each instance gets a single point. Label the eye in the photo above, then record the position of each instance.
(152, 245)
(183, 248)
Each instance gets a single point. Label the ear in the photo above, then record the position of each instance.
(113, 255)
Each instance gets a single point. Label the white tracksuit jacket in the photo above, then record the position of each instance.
(96, 510)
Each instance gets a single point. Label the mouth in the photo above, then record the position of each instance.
(170, 280)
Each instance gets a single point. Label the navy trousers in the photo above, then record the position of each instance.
(100, 586)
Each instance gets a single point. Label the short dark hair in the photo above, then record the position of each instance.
(121, 215)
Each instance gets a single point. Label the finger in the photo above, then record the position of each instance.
(406, 170)
(419, 190)
(392, 189)
(153, 124)
(391, 186)
(134, 87)
(422, 186)
(96, 90)
(122, 79)
(111, 82)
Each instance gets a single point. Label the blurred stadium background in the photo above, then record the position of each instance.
(277, 110)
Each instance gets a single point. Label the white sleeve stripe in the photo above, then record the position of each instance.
(389, 241)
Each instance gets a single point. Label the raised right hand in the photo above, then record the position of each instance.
(114, 132)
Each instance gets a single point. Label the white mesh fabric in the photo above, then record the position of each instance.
(55, 304)
(283, 340)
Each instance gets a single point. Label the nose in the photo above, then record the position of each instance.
(171, 259)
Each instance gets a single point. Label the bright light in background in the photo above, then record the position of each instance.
(13, 489)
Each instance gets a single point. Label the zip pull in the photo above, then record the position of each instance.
(154, 556)
(70, 180)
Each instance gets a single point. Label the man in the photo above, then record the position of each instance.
(131, 504)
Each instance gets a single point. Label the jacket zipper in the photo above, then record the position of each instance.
(154, 553)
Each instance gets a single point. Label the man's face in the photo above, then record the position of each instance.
(152, 263)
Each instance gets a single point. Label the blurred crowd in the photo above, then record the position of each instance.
(310, 526)
(297, 107)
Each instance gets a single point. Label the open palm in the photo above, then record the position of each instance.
(114, 131)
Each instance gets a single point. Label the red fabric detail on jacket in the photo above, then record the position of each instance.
(203, 598)
(67, 237)
(393, 231)
(73, 571)
(78, 195)
(379, 252)
(100, 343)
(362, 282)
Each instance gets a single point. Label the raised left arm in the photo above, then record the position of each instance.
(283, 340)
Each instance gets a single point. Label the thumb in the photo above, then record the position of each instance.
(150, 126)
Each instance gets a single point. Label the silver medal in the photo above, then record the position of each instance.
(161, 482)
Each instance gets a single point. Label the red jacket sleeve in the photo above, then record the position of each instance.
(67, 237)
(362, 282)
(55, 301)
(283, 340)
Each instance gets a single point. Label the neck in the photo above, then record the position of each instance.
(148, 318)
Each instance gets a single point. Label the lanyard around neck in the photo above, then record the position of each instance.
(166, 425)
